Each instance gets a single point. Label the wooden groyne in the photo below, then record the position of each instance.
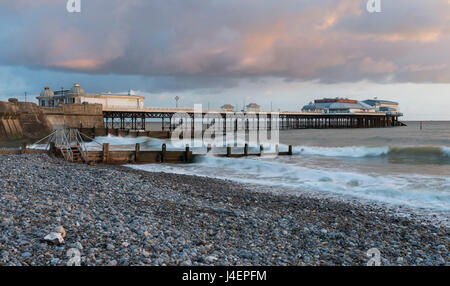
(20, 151)
(136, 156)
(246, 153)
(119, 157)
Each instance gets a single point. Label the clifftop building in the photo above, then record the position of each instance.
(76, 95)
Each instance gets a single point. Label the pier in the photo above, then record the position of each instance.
(136, 119)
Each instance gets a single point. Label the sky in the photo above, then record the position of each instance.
(282, 54)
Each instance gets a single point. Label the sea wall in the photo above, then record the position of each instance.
(22, 120)
(75, 116)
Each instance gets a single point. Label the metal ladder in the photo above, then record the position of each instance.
(70, 144)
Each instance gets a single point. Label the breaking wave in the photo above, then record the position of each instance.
(351, 151)
(426, 153)
(417, 191)
(363, 151)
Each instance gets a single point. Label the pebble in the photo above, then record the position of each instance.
(54, 238)
(129, 217)
(210, 259)
(61, 230)
(26, 255)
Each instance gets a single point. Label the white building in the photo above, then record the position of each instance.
(253, 107)
(228, 107)
(76, 95)
(337, 105)
(390, 107)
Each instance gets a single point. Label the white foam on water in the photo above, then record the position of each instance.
(119, 140)
(445, 150)
(348, 151)
(413, 191)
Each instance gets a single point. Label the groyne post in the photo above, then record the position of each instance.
(24, 147)
(52, 149)
(290, 150)
(105, 153)
(261, 150)
(163, 152)
(186, 153)
(136, 152)
(228, 150)
(246, 150)
(277, 149)
(209, 148)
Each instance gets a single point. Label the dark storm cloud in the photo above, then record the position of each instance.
(197, 43)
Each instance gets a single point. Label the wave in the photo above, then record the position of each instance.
(365, 151)
(350, 151)
(419, 191)
(446, 150)
(120, 140)
(425, 152)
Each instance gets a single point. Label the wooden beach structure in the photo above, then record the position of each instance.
(69, 145)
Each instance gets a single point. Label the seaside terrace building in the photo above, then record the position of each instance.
(337, 105)
(76, 95)
(389, 107)
(227, 107)
(253, 107)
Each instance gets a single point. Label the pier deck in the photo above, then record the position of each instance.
(136, 119)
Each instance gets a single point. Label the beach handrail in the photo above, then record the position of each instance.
(83, 150)
(40, 140)
(90, 138)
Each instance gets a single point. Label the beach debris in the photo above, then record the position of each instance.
(61, 230)
(210, 259)
(54, 238)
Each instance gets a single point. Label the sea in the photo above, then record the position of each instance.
(401, 166)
